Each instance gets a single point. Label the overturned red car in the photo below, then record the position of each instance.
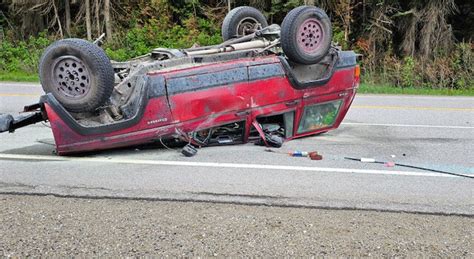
(263, 83)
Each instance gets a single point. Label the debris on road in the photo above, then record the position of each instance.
(298, 154)
(367, 160)
(389, 164)
(313, 155)
(393, 164)
(189, 150)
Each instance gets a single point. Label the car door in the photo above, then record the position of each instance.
(211, 90)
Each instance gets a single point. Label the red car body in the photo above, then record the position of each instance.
(206, 96)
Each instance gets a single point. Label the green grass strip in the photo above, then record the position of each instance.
(18, 77)
(388, 89)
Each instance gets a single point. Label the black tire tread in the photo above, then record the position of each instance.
(102, 67)
(235, 15)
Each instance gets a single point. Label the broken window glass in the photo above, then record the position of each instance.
(319, 116)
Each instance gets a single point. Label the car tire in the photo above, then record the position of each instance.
(78, 73)
(241, 19)
(306, 35)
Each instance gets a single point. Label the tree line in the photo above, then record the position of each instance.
(403, 43)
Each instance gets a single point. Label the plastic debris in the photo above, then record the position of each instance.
(275, 141)
(389, 164)
(298, 154)
(315, 156)
(411, 166)
(367, 160)
(189, 150)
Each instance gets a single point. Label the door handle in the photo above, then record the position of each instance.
(242, 113)
(292, 103)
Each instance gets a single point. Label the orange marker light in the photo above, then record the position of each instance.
(357, 71)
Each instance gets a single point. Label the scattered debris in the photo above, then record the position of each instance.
(389, 164)
(274, 141)
(298, 154)
(189, 150)
(315, 156)
(367, 160)
(269, 135)
(410, 166)
(312, 155)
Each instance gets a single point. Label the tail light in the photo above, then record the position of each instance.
(357, 76)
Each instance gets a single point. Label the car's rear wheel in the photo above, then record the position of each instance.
(306, 35)
(78, 73)
(242, 21)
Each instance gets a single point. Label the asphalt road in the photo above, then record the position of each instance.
(434, 132)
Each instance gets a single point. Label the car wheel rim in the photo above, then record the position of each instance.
(71, 77)
(310, 35)
(246, 26)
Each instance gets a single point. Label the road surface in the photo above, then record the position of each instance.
(433, 132)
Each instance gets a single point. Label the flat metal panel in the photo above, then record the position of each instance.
(207, 80)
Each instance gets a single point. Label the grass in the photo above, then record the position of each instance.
(18, 77)
(388, 89)
(365, 88)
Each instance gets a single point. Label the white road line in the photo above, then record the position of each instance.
(220, 165)
(406, 125)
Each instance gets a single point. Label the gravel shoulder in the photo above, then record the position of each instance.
(51, 226)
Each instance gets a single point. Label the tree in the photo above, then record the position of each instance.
(108, 25)
(88, 19)
(97, 17)
(67, 10)
(426, 25)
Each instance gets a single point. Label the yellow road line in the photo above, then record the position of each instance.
(17, 94)
(411, 108)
